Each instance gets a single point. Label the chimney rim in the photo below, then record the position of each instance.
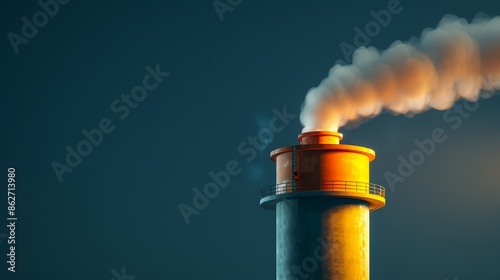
(320, 137)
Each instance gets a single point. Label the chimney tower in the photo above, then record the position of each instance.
(322, 199)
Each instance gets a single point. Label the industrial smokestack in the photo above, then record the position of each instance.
(322, 198)
(455, 60)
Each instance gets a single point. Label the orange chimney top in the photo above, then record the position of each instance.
(320, 137)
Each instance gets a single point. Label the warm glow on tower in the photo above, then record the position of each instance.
(322, 199)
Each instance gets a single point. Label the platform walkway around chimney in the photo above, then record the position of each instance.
(372, 193)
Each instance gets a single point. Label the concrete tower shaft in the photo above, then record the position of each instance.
(322, 198)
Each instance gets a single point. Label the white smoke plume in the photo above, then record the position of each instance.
(455, 60)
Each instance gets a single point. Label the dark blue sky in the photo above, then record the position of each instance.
(118, 208)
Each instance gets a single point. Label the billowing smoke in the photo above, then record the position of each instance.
(455, 60)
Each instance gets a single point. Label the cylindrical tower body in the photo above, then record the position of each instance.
(322, 199)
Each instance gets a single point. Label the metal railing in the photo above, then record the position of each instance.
(343, 186)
